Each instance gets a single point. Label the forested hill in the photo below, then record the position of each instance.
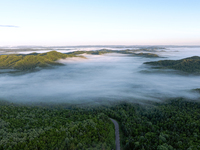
(170, 125)
(131, 52)
(31, 61)
(34, 60)
(190, 64)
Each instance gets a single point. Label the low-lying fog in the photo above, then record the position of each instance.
(102, 78)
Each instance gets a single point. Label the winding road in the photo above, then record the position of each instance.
(117, 138)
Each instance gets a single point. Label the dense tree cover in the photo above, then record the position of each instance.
(162, 126)
(31, 61)
(170, 125)
(25, 127)
(190, 64)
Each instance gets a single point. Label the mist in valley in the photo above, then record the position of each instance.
(101, 79)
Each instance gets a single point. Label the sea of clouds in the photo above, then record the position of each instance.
(102, 79)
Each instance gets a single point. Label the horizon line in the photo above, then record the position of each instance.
(97, 45)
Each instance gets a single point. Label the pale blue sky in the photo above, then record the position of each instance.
(100, 22)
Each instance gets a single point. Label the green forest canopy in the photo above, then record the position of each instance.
(190, 64)
(170, 125)
(30, 128)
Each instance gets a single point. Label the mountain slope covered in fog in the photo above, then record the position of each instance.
(190, 64)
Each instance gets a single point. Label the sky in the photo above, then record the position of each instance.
(99, 22)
